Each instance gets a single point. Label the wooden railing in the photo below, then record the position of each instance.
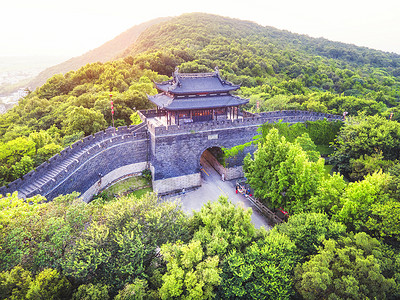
(261, 207)
(265, 210)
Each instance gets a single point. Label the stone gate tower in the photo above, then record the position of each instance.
(194, 103)
(194, 112)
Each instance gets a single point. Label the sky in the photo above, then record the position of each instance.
(71, 28)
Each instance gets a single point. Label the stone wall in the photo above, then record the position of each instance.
(234, 173)
(106, 165)
(176, 149)
(290, 116)
(229, 173)
(176, 184)
(111, 178)
(80, 166)
(173, 153)
(176, 154)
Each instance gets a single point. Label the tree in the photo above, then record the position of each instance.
(20, 284)
(49, 284)
(134, 291)
(22, 167)
(351, 268)
(193, 269)
(355, 205)
(123, 243)
(14, 284)
(135, 119)
(367, 164)
(263, 271)
(221, 226)
(46, 152)
(15, 213)
(72, 138)
(194, 67)
(282, 174)
(366, 136)
(36, 234)
(91, 292)
(12, 151)
(328, 194)
(82, 119)
(394, 171)
(384, 221)
(298, 180)
(308, 146)
(189, 275)
(308, 230)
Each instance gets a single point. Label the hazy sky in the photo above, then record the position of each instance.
(71, 28)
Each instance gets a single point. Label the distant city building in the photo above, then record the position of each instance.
(22, 93)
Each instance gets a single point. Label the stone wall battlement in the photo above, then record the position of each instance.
(267, 117)
(172, 152)
(60, 165)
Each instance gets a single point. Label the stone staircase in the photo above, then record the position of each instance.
(46, 177)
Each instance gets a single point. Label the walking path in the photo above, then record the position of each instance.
(213, 187)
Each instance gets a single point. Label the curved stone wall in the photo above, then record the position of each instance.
(85, 163)
(172, 153)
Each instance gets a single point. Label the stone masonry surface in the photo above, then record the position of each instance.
(172, 153)
(176, 149)
(82, 164)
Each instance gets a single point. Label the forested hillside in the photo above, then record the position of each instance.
(341, 240)
(277, 70)
(273, 62)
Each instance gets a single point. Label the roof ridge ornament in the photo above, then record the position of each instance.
(219, 77)
(175, 76)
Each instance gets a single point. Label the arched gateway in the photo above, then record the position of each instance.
(194, 112)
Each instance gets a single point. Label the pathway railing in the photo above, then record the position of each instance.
(260, 206)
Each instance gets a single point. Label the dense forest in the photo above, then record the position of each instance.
(341, 240)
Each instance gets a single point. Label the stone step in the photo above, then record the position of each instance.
(78, 154)
(65, 164)
(53, 172)
(41, 181)
(31, 188)
(23, 191)
(44, 179)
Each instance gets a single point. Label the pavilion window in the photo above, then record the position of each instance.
(184, 114)
(220, 111)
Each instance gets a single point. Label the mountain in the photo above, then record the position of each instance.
(196, 31)
(355, 240)
(277, 70)
(104, 53)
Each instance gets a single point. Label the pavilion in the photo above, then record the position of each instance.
(196, 97)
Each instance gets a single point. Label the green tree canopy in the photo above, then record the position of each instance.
(308, 230)
(352, 268)
(281, 173)
(366, 136)
(83, 119)
(263, 271)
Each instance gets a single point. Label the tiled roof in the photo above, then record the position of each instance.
(196, 83)
(196, 102)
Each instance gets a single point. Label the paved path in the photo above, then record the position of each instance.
(213, 187)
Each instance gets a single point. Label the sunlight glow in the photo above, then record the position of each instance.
(71, 28)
